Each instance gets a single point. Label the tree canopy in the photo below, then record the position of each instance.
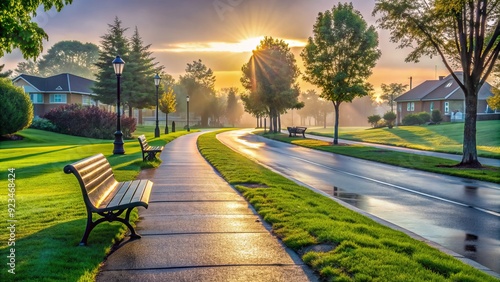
(391, 92)
(340, 56)
(465, 34)
(139, 88)
(198, 83)
(72, 57)
(114, 43)
(18, 30)
(270, 76)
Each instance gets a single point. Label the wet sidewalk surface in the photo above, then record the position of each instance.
(198, 228)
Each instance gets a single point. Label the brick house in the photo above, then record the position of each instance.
(47, 93)
(444, 95)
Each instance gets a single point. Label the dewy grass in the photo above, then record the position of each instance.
(49, 210)
(446, 137)
(408, 160)
(363, 250)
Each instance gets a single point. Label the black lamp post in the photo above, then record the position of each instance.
(118, 64)
(187, 100)
(157, 83)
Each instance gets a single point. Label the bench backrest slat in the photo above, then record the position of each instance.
(96, 178)
(143, 142)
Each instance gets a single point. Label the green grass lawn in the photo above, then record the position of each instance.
(446, 137)
(408, 160)
(361, 249)
(49, 210)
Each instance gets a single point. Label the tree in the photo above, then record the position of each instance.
(112, 44)
(340, 56)
(139, 89)
(270, 76)
(252, 106)
(70, 57)
(4, 74)
(29, 67)
(16, 108)
(391, 92)
(18, 30)
(167, 104)
(494, 101)
(198, 83)
(373, 120)
(464, 34)
(234, 110)
(389, 118)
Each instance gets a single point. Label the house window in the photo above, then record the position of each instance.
(446, 107)
(408, 107)
(36, 98)
(58, 99)
(431, 108)
(87, 100)
(412, 108)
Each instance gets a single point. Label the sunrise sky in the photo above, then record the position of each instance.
(222, 33)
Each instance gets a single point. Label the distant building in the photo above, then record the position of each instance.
(446, 96)
(51, 92)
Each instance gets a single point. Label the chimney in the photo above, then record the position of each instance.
(441, 77)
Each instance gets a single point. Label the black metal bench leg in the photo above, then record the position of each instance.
(90, 225)
(133, 234)
(151, 155)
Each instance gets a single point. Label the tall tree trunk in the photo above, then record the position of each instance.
(279, 123)
(140, 117)
(324, 120)
(130, 111)
(166, 123)
(336, 127)
(469, 158)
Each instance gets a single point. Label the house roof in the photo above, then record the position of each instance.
(64, 82)
(442, 89)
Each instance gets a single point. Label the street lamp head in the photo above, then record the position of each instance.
(157, 80)
(118, 64)
(187, 98)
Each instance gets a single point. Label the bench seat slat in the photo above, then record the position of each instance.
(130, 193)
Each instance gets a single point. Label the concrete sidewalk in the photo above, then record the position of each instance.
(198, 228)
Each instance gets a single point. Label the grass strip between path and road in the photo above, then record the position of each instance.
(407, 160)
(361, 249)
(49, 211)
(445, 137)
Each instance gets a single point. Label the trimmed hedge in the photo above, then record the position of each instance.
(89, 121)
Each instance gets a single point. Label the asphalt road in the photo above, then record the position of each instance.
(462, 215)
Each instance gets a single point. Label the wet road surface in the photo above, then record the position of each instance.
(462, 215)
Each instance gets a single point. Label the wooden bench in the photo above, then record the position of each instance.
(105, 196)
(148, 152)
(296, 130)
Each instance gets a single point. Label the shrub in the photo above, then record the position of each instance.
(389, 118)
(373, 120)
(90, 122)
(424, 117)
(16, 108)
(436, 116)
(411, 119)
(43, 124)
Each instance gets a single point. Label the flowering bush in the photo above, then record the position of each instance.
(88, 121)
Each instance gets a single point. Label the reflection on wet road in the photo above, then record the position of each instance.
(461, 215)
